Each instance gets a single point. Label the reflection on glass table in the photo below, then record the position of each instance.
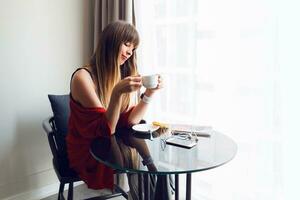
(210, 151)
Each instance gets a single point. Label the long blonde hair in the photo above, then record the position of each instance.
(104, 61)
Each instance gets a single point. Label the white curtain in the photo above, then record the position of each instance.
(231, 65)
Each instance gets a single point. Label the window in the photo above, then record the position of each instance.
(219, 62)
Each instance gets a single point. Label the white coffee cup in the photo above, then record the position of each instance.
(150, 81)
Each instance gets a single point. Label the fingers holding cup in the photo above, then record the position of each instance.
(160, 82)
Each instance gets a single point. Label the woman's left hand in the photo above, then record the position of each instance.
(160, 85)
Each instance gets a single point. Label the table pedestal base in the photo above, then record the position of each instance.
(161, 191)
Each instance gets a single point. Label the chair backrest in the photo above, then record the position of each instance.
(56, 128)
(49, 127)
(61, 111)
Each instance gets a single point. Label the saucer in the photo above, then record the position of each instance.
(145, 128)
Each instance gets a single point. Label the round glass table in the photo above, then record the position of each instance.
(209, 152)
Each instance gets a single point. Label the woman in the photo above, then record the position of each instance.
(102, 102)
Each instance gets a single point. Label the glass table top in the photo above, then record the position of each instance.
(208, 153)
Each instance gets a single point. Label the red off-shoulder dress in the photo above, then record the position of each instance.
(86, 124)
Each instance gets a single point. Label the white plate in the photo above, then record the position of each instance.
(145, 128)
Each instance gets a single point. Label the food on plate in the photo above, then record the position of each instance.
(161, 125)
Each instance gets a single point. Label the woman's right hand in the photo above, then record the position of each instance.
(128, 84)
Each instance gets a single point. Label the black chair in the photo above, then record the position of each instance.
(56, 129)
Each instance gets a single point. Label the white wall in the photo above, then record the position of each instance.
(41, 43)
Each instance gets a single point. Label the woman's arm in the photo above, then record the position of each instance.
(140, 109)
(83, 91)
(113, 111)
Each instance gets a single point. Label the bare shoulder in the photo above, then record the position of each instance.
(83, 89)
(81, 79)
